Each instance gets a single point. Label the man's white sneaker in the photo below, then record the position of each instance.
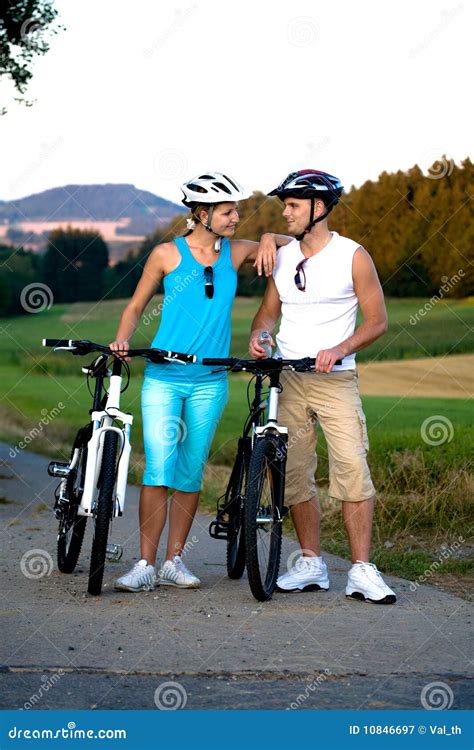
(175, 573)
(307, 574)
(365, 582)
(142, 577)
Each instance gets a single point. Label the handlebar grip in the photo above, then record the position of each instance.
(308, 362)
(58, 342)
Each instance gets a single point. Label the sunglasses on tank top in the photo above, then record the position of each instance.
(209, 281)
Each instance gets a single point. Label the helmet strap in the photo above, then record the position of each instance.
(210, 211)
(207, 226)
(313, 221)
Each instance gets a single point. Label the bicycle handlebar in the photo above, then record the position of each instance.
(263, 365)
(83, 346)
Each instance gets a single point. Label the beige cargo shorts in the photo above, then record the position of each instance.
(333, 400)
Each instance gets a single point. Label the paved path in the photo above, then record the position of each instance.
(219, 647)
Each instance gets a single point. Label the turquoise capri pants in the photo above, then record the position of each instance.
(179, 422)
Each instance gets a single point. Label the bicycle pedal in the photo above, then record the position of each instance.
(113, 552)
(218, 530)
(58, 469)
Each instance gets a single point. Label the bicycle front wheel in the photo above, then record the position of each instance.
(103, 512)
(263, 519)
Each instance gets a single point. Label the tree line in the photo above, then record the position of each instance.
(418, 228)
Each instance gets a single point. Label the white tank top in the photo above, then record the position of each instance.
(323, 315)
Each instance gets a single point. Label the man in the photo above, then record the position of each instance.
(318, 282)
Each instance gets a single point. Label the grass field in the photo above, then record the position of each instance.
(424, 489)
(446, 329)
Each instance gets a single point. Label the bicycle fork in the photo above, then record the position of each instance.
(102, 423)
(279, 437)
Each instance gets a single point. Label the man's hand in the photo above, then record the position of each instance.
(266, 254)
(256, 351)
(327, 358)
(120, 349)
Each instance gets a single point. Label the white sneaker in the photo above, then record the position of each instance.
(175, 573)
(307, 574)
(365, 582)
(142, 577)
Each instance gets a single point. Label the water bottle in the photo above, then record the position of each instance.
(264, 342)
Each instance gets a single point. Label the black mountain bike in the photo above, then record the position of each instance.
(250, 514)
(94, 481)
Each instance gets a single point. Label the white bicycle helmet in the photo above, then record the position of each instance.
(211, 187)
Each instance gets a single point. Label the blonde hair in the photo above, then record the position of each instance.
(193, 217)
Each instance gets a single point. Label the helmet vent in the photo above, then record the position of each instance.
(223, 187)
(197, 188)
(231, 182)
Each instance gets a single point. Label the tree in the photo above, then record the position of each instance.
(18, 269)
(25, 26)
(74, 265)
(121, 279)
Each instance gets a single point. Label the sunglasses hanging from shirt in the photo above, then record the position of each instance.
(300, 276)
(209, 281)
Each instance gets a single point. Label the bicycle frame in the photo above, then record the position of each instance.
(271, 424)
(102, 421)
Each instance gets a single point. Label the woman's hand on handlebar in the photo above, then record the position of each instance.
(120, 349)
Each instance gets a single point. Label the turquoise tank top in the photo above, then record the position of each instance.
(191, 322)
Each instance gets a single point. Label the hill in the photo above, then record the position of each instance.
(93, 203)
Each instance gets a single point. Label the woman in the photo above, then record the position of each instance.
(182, 404)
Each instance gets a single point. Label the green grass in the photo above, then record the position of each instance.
(447, 328)
(424, 491)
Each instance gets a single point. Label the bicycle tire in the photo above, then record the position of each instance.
(261, 500)
(69, 547)
(236, 534)
(71, 526)
(103, 512)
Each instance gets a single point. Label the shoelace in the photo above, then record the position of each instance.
(180, 564)
(140, 569)
(306, 562)
(371, 566)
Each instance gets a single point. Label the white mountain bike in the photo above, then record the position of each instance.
(94, 482)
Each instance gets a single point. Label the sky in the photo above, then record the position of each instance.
(154, 92)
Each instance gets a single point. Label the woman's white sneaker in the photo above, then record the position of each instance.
(307, 574)
(175, 573)
(142, 577)
(365, 582)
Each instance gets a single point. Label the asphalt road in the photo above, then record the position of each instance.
(216, 647)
